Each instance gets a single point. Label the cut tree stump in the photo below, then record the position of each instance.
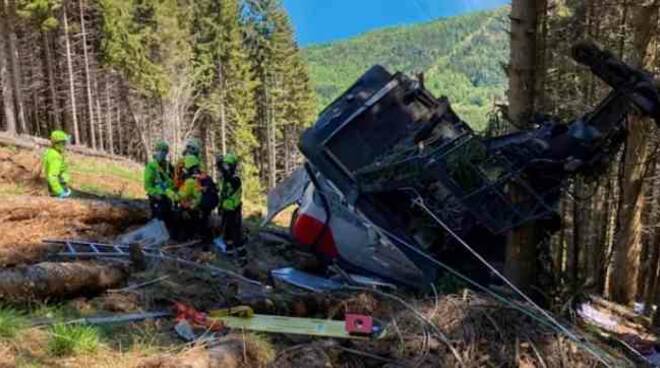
(51, 280)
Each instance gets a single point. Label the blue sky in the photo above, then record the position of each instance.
(318, 21)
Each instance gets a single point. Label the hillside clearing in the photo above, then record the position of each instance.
(474, 324)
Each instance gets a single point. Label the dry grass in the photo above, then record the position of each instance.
(26, 220)
(483, 332)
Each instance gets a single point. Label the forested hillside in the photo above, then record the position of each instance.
(462, 58)
(119, 75)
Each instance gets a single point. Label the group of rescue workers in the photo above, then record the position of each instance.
(183, 195)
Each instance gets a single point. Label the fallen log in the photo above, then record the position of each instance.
(50, 280)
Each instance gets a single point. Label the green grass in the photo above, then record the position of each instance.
(11, 322)
(65, 340)
(91, 166)
(95, 190)
(57, 312)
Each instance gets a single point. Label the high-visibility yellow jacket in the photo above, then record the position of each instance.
(158, 179)
(190, 194)
(56, 171)
(231, 193)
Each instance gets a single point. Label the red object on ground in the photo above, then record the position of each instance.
(357, 324)
(195, 317)
(307, 229)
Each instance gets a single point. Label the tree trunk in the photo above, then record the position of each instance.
(223, 112)
(120, 133)
(578, 235)
(270, 138)
(7, 95)
(623, 284)
(12, 52)
(72, 88)
(102, 142)
(521, 254)
(654, 255)
(88, 77)
(108, 116)
(54, 121)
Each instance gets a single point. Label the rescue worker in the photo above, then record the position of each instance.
(193, 148)
(197, 198)
(55, 166)
(231, 204)
(159, 184)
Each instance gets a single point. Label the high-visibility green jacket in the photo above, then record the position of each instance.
(158, 179)
(56, 171)
(190, 194)
(231, 192)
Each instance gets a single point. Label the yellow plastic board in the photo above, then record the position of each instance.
(289, 325)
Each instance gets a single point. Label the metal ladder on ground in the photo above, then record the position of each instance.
(85, 249)
(77, 249)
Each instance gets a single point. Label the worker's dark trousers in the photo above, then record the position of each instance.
(161, 208)
(232, 230)
(191, 223)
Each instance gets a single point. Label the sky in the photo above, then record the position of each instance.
(319, 21)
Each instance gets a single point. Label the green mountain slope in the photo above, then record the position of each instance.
(461, 57)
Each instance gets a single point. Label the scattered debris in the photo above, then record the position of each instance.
(286, 193)
(305, 280)
(185, 331)
(219, 245)
(152, 235)
(270, 235)
(49, 280)
(595, 316)
(620, 325)
(319, 284)
(196, 318)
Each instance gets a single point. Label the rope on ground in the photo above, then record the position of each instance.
(550, 322)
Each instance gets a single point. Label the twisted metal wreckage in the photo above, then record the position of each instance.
(395, 184)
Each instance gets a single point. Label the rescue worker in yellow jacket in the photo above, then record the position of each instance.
(193, 147)
(196, 198)
(55, 166)
(159, 184)
(231, 206)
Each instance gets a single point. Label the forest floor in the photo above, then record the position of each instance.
(457, 328)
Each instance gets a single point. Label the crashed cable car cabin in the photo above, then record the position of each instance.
(394, 177)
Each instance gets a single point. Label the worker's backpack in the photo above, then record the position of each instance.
(209, 190)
